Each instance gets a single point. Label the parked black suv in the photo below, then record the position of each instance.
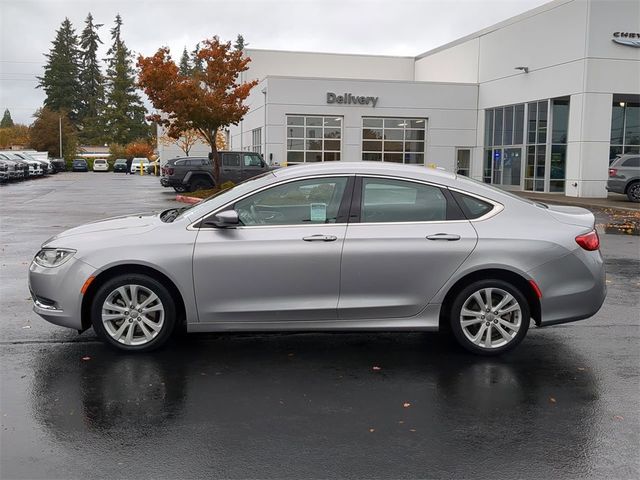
(188, 174)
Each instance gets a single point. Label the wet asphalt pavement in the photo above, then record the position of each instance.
(565, 404)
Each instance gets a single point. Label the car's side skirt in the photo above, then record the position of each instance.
(427, 320)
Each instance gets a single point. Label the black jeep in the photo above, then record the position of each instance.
(188, 174)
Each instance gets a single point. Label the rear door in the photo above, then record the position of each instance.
(231, 169)
(404, 241)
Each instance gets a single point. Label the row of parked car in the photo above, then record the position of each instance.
(120, 165)
(17, 166)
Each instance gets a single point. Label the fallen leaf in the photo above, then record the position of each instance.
(552, 400)
(401, 422)
(412, 429)
(406, 404)
(84, 359)
(618, 417)
(371, 430)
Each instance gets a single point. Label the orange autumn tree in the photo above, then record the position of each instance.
(206, 99)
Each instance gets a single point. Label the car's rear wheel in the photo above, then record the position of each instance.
(133, 312)
(633, 192)
(490, 317)
(180, 189)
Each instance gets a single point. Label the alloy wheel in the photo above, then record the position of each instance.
(634, 192)
(491, 318)
(133, 315)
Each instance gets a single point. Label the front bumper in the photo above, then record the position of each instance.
(56, 291)
(573, 287)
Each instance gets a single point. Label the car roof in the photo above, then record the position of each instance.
(368, 168)
(624, 157)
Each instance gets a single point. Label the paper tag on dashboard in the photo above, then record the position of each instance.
(318, 212)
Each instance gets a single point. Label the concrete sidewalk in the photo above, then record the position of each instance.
(613, 201)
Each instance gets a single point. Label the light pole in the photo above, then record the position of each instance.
(60, 133)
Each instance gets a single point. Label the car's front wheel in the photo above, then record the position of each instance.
(133, 312)
(633, 192)
(490, 317)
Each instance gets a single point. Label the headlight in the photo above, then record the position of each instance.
(53, 257)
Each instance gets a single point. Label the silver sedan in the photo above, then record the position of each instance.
(335, 246)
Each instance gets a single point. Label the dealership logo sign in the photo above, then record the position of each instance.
(627, 38)
(350, 99)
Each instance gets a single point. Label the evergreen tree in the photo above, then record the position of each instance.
(124, 110)
(240, 43)
(195, 61)
(185, 64)
(7, 121)
(92, 85)
(60, 81)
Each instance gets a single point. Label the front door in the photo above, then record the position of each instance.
(406, 245)
(282, 263)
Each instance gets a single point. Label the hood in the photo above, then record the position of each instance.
(116, 226)
(572, 215)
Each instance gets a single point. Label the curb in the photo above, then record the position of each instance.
(187, 199)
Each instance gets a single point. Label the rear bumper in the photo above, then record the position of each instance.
(573, 287)
(168, 182)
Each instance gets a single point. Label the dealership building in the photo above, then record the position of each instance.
(539, 102)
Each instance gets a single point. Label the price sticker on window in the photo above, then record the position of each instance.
(318, 212)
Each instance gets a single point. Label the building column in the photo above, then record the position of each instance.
(588, 145)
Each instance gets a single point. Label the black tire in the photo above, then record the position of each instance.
(169, 320)
(465, 294)
(180, 189)
(633, 192)
(200, 184)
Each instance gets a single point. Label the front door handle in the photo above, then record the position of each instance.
(449, 237)
(320, 238)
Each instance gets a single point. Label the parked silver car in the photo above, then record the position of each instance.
(624, 176)
(334, 246)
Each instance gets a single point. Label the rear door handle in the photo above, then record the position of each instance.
(449, 237)
(320, 238)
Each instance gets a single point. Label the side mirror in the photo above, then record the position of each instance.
(226, 219)
(262, 164)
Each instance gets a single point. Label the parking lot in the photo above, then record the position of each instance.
(564, 404)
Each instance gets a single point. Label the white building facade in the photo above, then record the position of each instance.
(539, 102)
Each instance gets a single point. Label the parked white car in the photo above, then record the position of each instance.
(138, 163)
(100, 165)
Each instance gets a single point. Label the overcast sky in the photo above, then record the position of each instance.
(393, 27)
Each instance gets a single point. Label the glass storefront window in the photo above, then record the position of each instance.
(497, 126)
(313, 138)
(625, 125)
(399, 140)
(560, 121)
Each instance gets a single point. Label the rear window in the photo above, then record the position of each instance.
(631, 162)
(471, 206)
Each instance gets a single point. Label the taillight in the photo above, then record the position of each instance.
(589, 241)
(613, 172)
(169, 171)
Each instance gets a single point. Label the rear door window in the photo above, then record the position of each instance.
(387, 200)
(472, 207)
(631, 162)
(231, 160)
